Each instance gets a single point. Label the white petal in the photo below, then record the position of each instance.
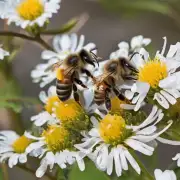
(170, 142)
(161, 100)
(110, 163)
(132, 161)
(48, 54)
(117, 162)
(157, 173)
(34, 145)
(23, 158)
(123, 158)
(80, 163)
(42, 169)
(170, 98)
(81, 43)
(13, 160)
(139, 146)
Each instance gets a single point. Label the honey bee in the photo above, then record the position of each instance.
(114, 72)
(69, 70)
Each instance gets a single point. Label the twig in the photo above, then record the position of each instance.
(26, 37)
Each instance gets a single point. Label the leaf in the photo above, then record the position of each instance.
(91, 172)
(66, 27)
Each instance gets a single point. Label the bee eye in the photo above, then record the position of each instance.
(124, 62)
(73, 60)
(112, 67)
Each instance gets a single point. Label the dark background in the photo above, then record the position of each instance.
(106, 30)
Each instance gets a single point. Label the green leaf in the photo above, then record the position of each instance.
(91, 172)
(64, 29)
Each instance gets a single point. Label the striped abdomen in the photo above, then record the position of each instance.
(99, 96)
(63, 90)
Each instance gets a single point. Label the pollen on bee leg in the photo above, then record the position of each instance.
(60, 74)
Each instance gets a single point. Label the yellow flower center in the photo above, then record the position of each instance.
(51, 103)
(21, 144)
(116, 103)
(112, 129)
(30, 9)
(71, 114)
(57, 138)
(152, 72)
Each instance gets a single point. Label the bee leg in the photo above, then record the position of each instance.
(75, 93)
(118, 94)
(78, 81)
(88, 73)
(107, 99)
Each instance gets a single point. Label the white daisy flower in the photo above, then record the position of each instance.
(166, 175)
(12, 147)
(55, 144)
(125, 49)
(49, 100)
(3, 53)
(108, 142)
(63, 45)
(27, 13)
(157, 78)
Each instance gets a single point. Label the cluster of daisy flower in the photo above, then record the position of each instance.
(69, 131)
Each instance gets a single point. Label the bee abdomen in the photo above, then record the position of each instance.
(63, 90)
(99, 97)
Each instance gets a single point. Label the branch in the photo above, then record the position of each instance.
(23, 36)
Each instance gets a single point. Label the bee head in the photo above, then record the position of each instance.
(72, 60)
(127, 66)
(86, 57)
(112, 67)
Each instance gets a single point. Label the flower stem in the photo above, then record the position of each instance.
(26, 37)
(5, 171)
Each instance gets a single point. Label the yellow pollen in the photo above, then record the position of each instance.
(112, 129)
(21, 144)
(152, 72)
(51, 103)
(71, 115)
(60, 74)
(69, 109)
(30, 9)
(116, 103)
(56, 137)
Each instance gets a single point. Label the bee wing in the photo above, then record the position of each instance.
(54, 66)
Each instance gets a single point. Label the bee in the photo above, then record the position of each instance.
(114, 72)
(69, 70)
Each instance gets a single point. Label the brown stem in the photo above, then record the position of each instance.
(26, 37)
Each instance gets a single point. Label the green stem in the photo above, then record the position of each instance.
(5, 171)
(26, 37)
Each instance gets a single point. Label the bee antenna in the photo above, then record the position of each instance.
(133, 55)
